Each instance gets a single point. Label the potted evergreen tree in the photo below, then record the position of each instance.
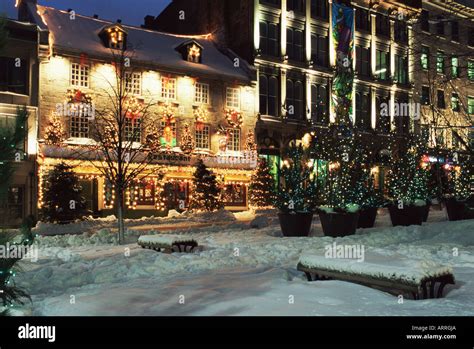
(459, 192)
(407, 187)
(296, 193)
(340, 214)
(367, 197)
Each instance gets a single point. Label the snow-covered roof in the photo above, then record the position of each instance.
(81, 35)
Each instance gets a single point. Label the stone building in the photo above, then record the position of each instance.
(190, 84)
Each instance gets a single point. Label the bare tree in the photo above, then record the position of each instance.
(119, 149)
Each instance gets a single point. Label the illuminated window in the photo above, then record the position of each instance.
(116, 38)
(440, 62)
(133, 83)
(470, 70)
(233, 98)
(233, 140)
(194, 53)
(455, 67)
(202, 136)
(168, 88)
(425, 57)
(202, 93)
(79, 75)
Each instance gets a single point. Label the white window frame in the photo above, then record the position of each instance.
(203, 136)
(80, 119)
(80, 75)
(133, 83)
(233, 97)
(232, 132)
(201, 93)
(166, 93)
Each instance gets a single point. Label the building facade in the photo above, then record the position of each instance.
(292, 46)
(19, 70)
(191, 86)
(444, 84)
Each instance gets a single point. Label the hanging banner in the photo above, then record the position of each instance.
(343, 37)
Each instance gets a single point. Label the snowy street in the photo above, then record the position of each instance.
(240, 271)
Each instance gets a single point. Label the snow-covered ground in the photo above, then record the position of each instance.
(239, 271)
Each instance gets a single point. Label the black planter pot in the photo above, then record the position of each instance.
(456, 209)
(426, 211)
(409, 215)
(339, 224)
(295, 224)
(367, 218)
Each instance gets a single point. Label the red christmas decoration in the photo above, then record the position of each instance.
(234, 118)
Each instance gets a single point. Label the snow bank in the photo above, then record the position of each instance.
(90, 224)
(418, 271)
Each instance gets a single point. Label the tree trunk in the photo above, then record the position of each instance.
(120, 220)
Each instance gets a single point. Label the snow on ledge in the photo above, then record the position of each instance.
(414, 274)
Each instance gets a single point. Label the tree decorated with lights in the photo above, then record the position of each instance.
(461, 181)
(407, 181)
(10, 138)
(206, 192)
(365, 193)
(261, 188)
(54, 133)
(62, 195)
(298, 189)
(186, 142)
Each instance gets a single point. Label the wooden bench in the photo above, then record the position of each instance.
(168, 243)
(419, 287)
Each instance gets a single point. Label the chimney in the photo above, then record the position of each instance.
(23, 12)
(149, 20)
(96, 16)
(119, 21)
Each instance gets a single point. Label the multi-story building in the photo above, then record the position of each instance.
(207, 89)
(19, 69)
(444, 69)
(291, 44)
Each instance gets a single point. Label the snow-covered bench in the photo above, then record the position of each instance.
(167, 243)
(418, 281)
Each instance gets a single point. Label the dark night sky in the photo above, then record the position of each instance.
(130, 11)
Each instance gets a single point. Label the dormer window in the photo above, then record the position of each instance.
(114, 37)
(191, 51)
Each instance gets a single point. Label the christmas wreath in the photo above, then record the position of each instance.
(234, 118)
